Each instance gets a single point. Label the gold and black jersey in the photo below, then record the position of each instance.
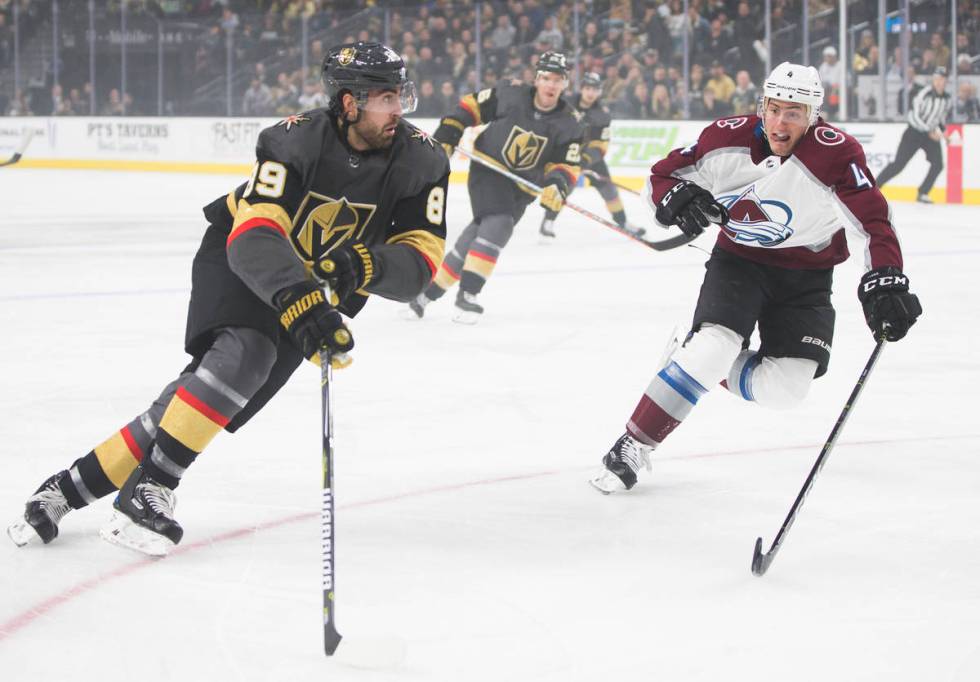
(542, 146)
(312, 190)
(596, 121)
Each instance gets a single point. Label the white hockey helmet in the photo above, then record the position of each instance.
(794, 83)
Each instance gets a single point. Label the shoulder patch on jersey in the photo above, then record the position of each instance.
(421, 136)
(732, 123)
(733, 131)
(829, 136)
(293, 120)
(418, 155)
(828, 153)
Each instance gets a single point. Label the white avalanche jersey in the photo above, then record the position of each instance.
(787, 212)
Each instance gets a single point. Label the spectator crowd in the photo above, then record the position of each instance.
(638, 46)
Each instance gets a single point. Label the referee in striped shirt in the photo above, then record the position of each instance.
(927, 121)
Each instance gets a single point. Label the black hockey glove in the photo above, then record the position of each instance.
(312, 322)
(889, 308)
(691, 208)
(347, 268)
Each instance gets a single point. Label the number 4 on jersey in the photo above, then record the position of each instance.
(860, 179)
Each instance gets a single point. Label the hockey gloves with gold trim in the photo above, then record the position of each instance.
(553, 197)
(889, 308)
(691, 208)
(312, 323)
(347, 268)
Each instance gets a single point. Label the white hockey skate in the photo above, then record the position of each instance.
(42, 513)
(547, 230)
(621, 464)
(416, 307)
(467, 311)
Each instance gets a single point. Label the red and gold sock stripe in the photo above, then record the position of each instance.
(118, 456)
(480, 263)
(192, 422)
(446, 278)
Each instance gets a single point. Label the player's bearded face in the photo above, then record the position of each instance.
(549, 87)
(378, 121)
(785, 124)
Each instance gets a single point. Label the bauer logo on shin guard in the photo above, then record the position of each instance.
(816, 342)
(299, 307)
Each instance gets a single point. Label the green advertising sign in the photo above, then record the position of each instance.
(641, 144)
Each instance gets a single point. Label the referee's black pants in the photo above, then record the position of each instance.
(912, 141)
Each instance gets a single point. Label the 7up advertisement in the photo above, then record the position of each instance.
(637, 145)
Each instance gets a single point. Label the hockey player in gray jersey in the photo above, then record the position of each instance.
(597, 123)
(351, 195)
(532, 132)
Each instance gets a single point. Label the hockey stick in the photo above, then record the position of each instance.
(28, 136)
(760, 561)
(592, 175)
(662, 245)
(331, 638)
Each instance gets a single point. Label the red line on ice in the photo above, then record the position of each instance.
(22, 620)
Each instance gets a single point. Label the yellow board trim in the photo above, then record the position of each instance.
(191, 428)
(115, 459)
(431, 246)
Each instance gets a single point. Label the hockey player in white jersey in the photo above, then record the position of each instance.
(782, 186)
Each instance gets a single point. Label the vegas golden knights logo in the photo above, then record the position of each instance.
(523, 149)
(346, 56)
(323, 223)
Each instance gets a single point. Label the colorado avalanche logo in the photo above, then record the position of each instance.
(756, 221)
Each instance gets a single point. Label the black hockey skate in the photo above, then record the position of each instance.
(42, 513)
(417, 306)
(621, 464)
(143, 516)
(468, 311)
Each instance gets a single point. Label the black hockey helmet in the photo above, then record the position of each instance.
(592, 80)
(553, 62)
(359, 68)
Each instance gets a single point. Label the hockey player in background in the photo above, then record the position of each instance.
(533, 132)
(782, 185)
(350, 195)
(597, 121)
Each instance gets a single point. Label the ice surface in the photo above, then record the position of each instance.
(465, 525)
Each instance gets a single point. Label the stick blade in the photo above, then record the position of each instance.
(760, 561)
(331, 640)
(668, 243)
